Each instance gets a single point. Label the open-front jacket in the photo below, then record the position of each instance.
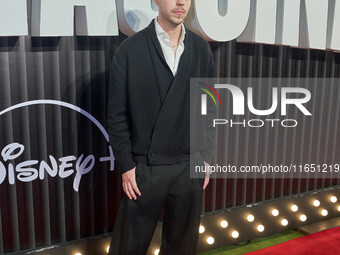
(149, 108)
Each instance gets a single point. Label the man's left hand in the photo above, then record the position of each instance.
(207, 176)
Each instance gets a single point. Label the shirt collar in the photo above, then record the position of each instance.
(161, 33)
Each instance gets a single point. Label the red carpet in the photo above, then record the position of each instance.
(325, 242)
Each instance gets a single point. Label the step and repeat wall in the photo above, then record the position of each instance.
(57, 182)
(57, 177)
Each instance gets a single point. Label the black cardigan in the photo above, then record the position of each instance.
(148, 108)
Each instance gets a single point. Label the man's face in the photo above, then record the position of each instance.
(173, 11)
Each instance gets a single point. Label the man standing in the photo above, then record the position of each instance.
(149, 128)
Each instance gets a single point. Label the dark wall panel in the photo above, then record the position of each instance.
(76, 70)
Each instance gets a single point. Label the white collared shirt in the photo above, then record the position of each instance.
(168, 52)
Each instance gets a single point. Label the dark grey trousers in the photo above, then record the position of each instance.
(169, 186)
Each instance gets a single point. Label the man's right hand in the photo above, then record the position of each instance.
(129, 184)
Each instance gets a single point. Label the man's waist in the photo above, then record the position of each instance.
(159, 159)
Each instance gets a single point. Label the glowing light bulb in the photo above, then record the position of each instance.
(250, 218)
(201, 229)
(235, 234)
(324, 212)
(339, 208)
(333, 199)
(210, 240)
(108, 249)
(275, 212)
(303, 217)
(284, 222)
(156, 252)
(260, 228)
(316, 203)
(294, 208)
(78, 253)
(224, 223)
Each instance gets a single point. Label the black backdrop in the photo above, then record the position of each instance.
(75, 70)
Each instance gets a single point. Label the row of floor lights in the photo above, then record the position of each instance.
(251, 218)
(324, 212)
(223, 224)
(275, 212)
